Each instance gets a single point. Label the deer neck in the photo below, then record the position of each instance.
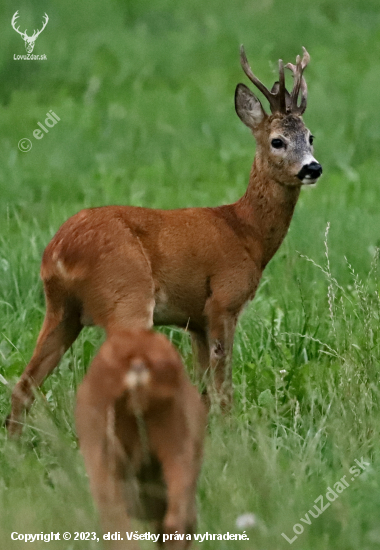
(267, 209)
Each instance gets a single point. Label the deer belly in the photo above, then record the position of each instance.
(167, 314)
(175, 310)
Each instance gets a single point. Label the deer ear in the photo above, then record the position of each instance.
(248, 107)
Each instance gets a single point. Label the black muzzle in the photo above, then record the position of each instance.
(310, 171)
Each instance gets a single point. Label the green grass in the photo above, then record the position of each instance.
(144, 91)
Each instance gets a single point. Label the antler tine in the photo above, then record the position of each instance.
(299, 83)
(16, 16)
(263, 89)
(305, 58)
(45, 22)
(302, 106)
(281, 90)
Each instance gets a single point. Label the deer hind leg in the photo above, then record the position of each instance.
(201, 361)
(134, 310)
(59, 330)
(221, 331)
(104, 460)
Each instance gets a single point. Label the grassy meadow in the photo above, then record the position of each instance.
(144, 92)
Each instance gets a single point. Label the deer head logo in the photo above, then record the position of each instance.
(29, 40)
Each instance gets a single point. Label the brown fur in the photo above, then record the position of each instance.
(123, 266)
(141, 425)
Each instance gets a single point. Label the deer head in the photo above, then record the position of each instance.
(284, 144)
(29, 40)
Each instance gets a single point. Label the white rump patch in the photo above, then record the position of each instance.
(135, 379)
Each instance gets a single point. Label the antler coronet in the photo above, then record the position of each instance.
(16, 16)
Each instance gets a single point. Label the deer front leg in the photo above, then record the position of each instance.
(221, 331)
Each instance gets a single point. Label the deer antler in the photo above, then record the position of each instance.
(280, 100)
(276, 97)
(14, 23)
(299, 83)
(45, 22)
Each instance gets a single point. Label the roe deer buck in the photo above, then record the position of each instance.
(125, 266)
(141, 425)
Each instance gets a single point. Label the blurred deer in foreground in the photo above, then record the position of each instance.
(124, 266)
(141, 426)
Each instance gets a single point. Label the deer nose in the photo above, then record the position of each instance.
(310, 171)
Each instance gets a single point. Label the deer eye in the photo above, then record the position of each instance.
(277, 143)
(311, 139)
